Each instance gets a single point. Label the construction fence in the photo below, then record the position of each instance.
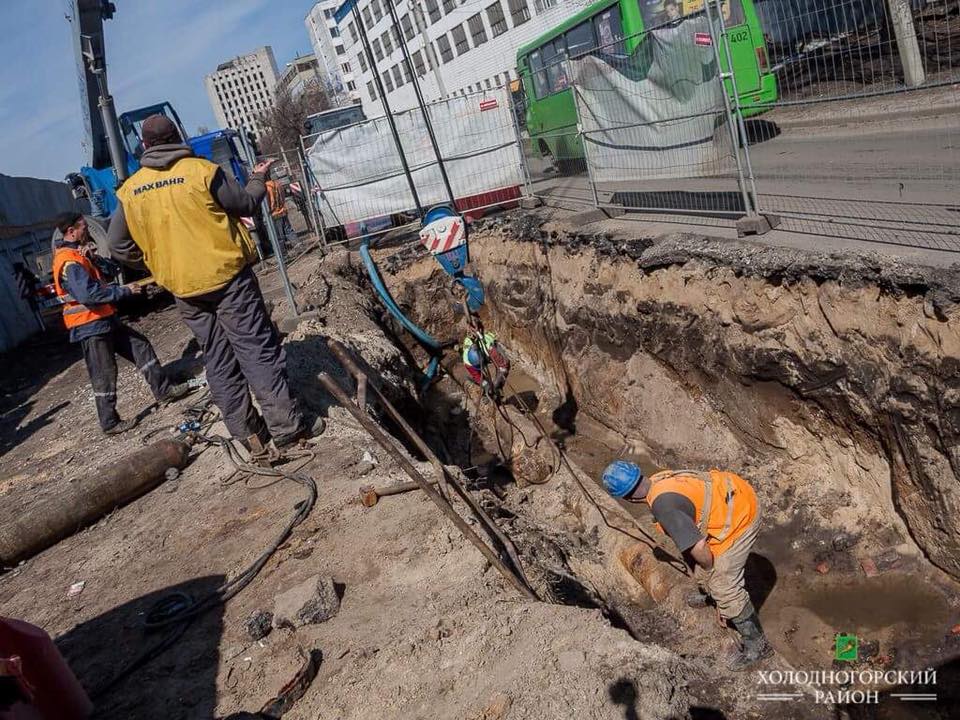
(851, 142)
(365, 185)
(843, 120)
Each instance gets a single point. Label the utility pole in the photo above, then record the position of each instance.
(906, 33)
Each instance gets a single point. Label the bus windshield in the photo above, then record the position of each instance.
(333, 119)
(661, 12)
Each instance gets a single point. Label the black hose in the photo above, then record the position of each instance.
(177, 610)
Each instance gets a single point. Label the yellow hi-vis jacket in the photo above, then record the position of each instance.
(189, 243)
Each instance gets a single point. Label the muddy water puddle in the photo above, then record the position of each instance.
(802, 609)
(899, 615)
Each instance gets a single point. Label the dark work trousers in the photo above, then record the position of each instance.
(99, 353)
(241, 351)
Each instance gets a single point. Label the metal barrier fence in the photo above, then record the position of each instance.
(861, 139)
(363, 183)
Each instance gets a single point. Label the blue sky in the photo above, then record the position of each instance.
(156, 50)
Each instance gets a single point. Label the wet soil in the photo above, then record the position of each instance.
(831, 558)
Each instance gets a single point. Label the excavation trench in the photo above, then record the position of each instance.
(830, 382)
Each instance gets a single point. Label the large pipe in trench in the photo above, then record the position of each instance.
(48, 520)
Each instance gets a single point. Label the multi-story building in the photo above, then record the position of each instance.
(240, 90)
(329, 48)
(457, 46)
(300, 74)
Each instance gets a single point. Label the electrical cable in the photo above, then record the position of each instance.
(178, 610)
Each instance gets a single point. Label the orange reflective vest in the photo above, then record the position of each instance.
(74, 313)
(275, 199)
(724, 503)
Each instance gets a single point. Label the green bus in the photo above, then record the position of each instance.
(616, 27)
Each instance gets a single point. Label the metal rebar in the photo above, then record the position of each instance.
(378, 435)
(347, 361)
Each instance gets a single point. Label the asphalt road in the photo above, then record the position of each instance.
(883, 181)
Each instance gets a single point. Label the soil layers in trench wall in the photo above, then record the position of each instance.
(828, 380)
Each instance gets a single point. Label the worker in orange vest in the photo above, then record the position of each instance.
(278, 209)
(713, 519)
(90, 314)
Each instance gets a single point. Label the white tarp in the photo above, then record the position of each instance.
(359, 171)
(658, 113)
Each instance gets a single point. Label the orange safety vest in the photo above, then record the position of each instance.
(275, 199)
(76, 314)
(722, 514)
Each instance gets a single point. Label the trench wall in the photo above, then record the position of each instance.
(829, 380)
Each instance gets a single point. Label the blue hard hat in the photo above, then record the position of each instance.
(621, 478)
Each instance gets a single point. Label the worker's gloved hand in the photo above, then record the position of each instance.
(500, 381)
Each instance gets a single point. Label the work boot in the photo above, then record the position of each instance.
(175, 393)
(307, 431)
(120, 427)
(696, 599)
(753, 643)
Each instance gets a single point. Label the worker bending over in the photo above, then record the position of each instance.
(180, 216)
(90, 314)
(481, 351)
(713, 519)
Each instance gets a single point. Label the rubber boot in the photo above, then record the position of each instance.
(753, 643)
(307, 431)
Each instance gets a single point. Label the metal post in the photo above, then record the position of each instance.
(715, 39)
(314, 196)
(593, 185)
(308, 196)
(271, 232)
(741, 125)
(527, 181)
(901, 17)
(386, 107)
(423, 108)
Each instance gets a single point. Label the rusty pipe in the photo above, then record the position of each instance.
(370, 494)
(377, 434)
(343, 356)
(45, 521)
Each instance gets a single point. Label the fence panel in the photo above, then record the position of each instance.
(863, 139)
(653, 130)
(362, 183)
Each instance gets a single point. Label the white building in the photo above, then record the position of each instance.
(241, 89)
(457, 46)
(301, 73)
(329, 48)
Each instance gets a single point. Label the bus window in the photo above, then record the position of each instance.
(580, 39)
(555, 62)
(609, 31)
(659, 12)
(540, 88)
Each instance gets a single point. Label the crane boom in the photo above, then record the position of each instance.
(99, 115)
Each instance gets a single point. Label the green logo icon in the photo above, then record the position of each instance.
(846, 647)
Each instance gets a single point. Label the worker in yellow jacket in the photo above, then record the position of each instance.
(180, 216)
